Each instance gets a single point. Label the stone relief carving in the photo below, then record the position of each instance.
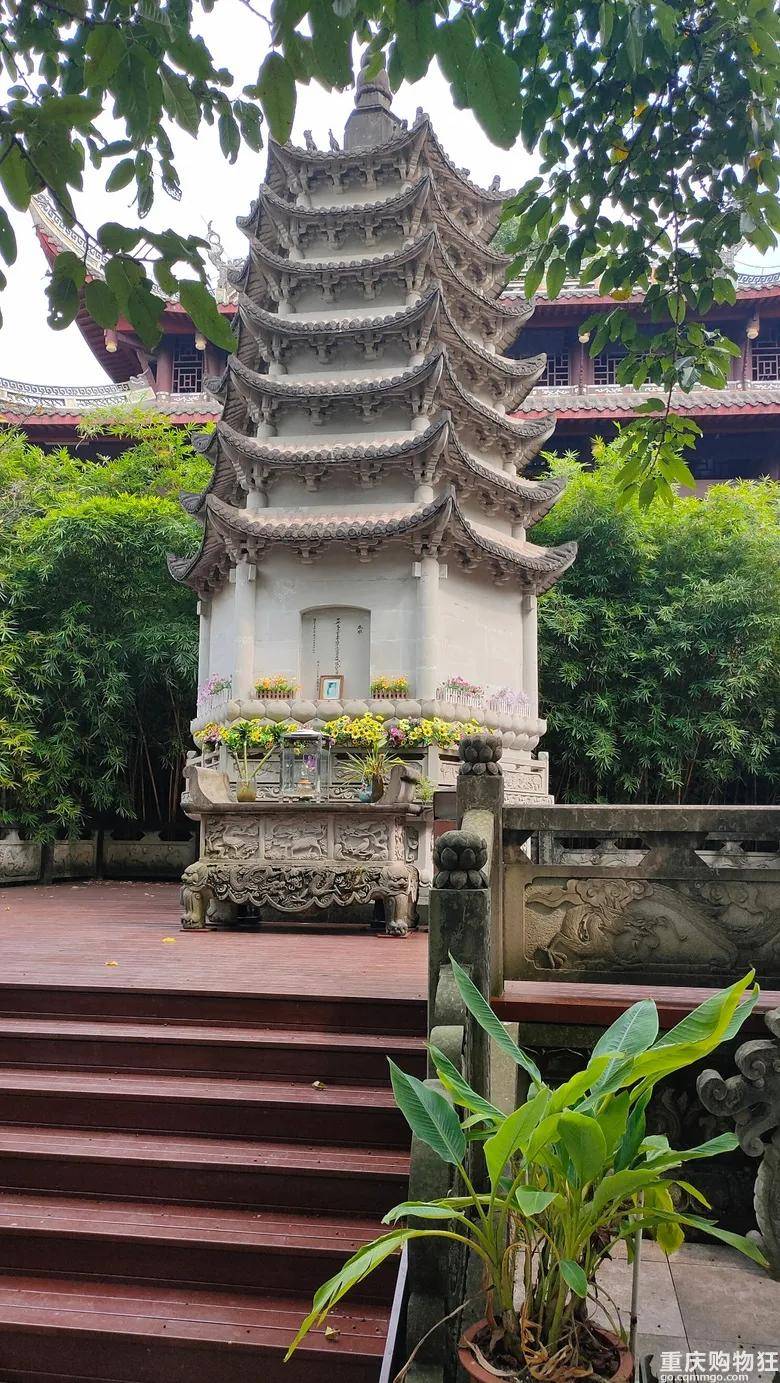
(412, 851)
(232, 838)
(588, 924)
(293, 839)
(752, 1100)
(362, 840)
(299, 888)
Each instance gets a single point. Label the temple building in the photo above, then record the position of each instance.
(368, 510)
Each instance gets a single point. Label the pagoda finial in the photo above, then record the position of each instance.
(372, 120)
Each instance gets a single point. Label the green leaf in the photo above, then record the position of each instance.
(515, 1132)
(574, 1277)
(666, 1159)
(101, 303)
(15, 177)
(493, 88)
(199, 305)
(105, 49)
(455, 43)
(480, 1009)
(429, 1116)
(584, 1143)
(421, 1210)
(332, 48)
(556, 274)
(144, 310)
(117, 239)
(705, 1021)
(575, 1087)
(121, 174)
(7, 238)
(532, 1202)
(735, 1241)
(415, 36)
(633, 1032)
(180, 102)
(348, 1276)
(461, 1091)
(276, 88)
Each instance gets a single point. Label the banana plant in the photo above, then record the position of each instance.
(562, 1179)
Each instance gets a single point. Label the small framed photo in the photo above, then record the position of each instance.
(331, 686)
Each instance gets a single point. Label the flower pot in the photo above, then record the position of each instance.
(471, 1365)
(377, 789)
(246, 792)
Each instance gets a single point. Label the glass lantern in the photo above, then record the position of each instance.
(305, 765)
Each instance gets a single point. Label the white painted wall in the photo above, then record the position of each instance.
(480, 629)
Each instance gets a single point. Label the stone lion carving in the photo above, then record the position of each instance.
(195, 895)
(459, 859)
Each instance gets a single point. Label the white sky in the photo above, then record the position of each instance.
(213, 190)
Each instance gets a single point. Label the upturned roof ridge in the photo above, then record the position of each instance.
(289, 325)
(280, 386)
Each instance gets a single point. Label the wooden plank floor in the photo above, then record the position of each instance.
(126, 935)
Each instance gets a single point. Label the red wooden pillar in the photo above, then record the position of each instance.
(165, 367)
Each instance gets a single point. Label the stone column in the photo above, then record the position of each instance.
(244, 632)
(204, 640)
(427, 572)
(530, 655)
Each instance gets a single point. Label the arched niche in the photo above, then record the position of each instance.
(336, 641)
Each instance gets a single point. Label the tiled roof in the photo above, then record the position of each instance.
(621, 401)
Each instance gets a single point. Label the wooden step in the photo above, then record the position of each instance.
(318, 1012)
(224, 1107)
(127, 1334)
(218, 1049)
(211, 1171)
(267, 1251)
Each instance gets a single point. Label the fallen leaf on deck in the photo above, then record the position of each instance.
(112, 962)
(318, 1085)
(169, 940)
(330, 1333)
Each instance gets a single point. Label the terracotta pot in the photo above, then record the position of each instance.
(246, 792)
(474, 1369)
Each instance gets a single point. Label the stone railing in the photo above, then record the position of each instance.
(595, 895)
(99, 855)
(645, 893)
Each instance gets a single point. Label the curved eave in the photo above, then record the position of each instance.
(527, 436)
(284, 212)
(534, 498)
(275, 266)
(250, 450)
(261, 322)
(285, 160)
(255, 386)
(233, 534)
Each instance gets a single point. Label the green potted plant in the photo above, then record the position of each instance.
(389, 687)
(372, 768)
(542, 1195)
(250, 746)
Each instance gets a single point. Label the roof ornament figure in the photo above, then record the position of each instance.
(333, 142)
(309, 141)
(496, 183)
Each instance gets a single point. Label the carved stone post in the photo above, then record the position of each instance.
(480, 789)
(753, 1100)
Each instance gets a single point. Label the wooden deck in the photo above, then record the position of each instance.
(126, 935)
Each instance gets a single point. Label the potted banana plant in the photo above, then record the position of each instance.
(541, 1196)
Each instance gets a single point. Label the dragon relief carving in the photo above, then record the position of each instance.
(232, 839)
(629, 923)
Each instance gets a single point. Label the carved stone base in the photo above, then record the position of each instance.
(211, 891)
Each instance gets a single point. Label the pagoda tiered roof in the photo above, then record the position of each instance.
(370, 321)
(439, 528)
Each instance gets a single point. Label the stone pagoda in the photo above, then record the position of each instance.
(368, 509)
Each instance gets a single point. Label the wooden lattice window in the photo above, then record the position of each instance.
(187, 367)
(765, 358)
(605, 367)
(556, 372)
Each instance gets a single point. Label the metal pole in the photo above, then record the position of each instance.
(635, 1293)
